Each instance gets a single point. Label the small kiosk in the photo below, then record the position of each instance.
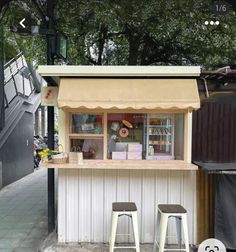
(133, 125)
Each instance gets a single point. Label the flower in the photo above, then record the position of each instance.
(47, 153)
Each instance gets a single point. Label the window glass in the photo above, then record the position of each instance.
(145, 136)
(125, 136)
(86, 124)
(179, 136)
(165, 136)
(91, 148)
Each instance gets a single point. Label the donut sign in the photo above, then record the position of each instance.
(123, 132)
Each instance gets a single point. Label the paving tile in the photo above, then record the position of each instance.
(23, 225)
(23, 213)
(7, 243)
(29, 249)
(17, 233)
(38, 232)
(4, 226)
(30, 242)
(30, 218)
(6, 250)
(3, 233)
(11, 218)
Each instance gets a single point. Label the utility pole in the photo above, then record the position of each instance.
(50, 110)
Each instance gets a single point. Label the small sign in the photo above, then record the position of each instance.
(124, 132)
(49, 96)
(221, 7)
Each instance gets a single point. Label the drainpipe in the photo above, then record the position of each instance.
(206, 88)
(42, 121)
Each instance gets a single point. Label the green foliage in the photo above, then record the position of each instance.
(135, 32)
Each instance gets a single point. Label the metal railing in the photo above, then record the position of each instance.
(18, 80)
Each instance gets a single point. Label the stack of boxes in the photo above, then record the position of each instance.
(134, 151)
(130, 151)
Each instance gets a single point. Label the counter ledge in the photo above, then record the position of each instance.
(119, 164)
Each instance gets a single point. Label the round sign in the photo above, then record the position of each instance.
(212, 245)
(124, 132)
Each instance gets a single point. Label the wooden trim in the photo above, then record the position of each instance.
(105, 136)
(127, 111)
(104, 114)
(205, 205)
(126, 165)
(187, 136)
(74, 135)
(67, 140)
(62, 126)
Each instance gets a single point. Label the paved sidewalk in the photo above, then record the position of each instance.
(23, 213)
(93, 248)
(86, 247)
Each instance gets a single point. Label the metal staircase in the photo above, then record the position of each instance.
(22, 98)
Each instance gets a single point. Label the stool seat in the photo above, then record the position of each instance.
(124, 207)
(172, 208)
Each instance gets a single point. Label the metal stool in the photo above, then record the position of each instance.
(164, 213)
(119, 209)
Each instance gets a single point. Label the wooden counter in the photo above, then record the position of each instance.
(125, 164)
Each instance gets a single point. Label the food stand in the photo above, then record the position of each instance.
(133, 125)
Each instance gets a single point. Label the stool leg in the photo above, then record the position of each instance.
(156, 231)
(163, 229)
(113, 231)
(135, 229)
(179, 231)
(185, 229)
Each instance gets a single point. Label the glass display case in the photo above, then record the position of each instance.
(86, 123)
(86, 135)
(160, 137)
(125, 136)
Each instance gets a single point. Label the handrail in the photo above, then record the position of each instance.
(13, 59)
(23, 86)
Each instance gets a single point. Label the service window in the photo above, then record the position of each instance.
(130, 136)
(86, 134)
(145, 136)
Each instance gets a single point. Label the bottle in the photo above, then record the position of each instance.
(151, 150)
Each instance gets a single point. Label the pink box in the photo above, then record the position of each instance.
(159, 157)
(135, 147)
(119, 155)
(134, 155)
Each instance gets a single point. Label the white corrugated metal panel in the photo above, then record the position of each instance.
(86, 196)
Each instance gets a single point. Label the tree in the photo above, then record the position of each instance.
(109, 32)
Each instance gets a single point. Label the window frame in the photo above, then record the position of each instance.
(187, 141)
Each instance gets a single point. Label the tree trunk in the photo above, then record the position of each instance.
(134, 40)
(134, 43)
(101, 43)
